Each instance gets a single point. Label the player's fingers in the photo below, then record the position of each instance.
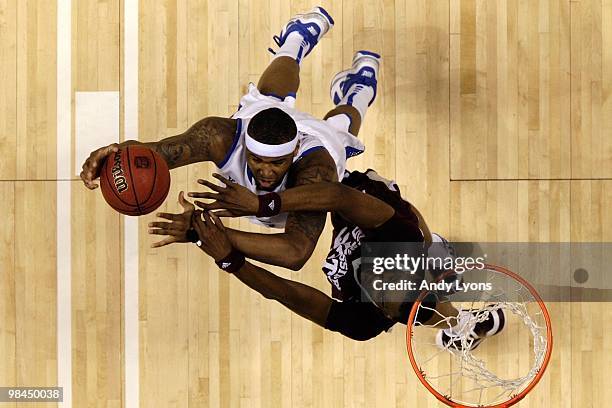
(209, 222)
(210, 206)
(200, 228)
(184, 203)
(217, 221)
(92, 164)
(225, 213)
(209, 195)
(167, 225)
(223, 180)
(169, 216)
(97, 158)
(105, 151)
(99, 155)
(207, 218)
(112, 148)
(161, 231)
(83, 177)
(163, 242)
(212, 186)
(87, 169)
(88, 183)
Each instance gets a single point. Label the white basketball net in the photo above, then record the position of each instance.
(469, 379)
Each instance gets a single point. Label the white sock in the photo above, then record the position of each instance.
(358, 96)
(292, 46)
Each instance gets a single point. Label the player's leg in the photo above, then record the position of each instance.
(353, 91)
(281, 78)
(296, 40)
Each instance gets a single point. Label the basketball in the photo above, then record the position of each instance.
(135, 180)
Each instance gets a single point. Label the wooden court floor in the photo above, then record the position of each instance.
(494, 117)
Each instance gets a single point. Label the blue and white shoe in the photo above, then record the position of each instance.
(364, 71)
(311, 25)
(472, 328)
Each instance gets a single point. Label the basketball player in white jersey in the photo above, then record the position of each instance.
(364, 207)
(268, 146)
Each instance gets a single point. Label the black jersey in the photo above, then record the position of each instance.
(345, 252)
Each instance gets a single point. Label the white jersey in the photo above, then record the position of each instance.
(313, 134)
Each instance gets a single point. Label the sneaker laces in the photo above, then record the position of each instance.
(276, 39)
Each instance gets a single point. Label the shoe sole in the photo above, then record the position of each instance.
(320, 14)
(365, 55)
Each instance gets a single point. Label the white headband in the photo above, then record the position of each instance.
(268, 150)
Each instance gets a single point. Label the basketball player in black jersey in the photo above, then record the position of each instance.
(365, 207)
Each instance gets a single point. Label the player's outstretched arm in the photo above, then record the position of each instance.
(207, 140)
(304, 300)
(363, 210)
(306, 226)
(356, 320)
(234, 200)
(293, 247)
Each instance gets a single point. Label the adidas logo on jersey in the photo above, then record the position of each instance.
(271, 205)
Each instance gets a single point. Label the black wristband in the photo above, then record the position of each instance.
(232, 262)
(192, 235)
(269, 205)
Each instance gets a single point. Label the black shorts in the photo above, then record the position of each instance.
(357, 320)
(363, 320)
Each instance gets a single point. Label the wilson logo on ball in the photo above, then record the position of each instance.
(135, 180)
(118, 176)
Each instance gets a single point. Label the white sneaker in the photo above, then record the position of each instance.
(471, 329)
(312, 26)
(364, 71)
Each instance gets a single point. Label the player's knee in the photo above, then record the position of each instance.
(344, 118)
(276, 89)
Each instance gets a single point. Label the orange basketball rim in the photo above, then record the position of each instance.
(541, 359)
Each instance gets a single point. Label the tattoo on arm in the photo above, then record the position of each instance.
(206, 140)
(320, 167)
(309, 223)
(174, 151)
(315, 168)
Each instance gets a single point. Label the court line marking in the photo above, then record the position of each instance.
(64, 197)
(130, 225)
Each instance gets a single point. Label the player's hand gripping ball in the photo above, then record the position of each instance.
(135, 180)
